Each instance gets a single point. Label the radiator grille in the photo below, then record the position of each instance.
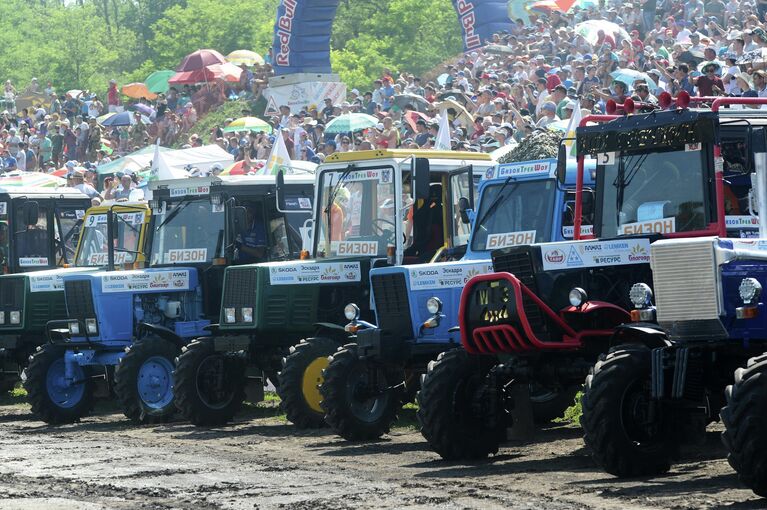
(392, 303)
(239, 288)
(79, 299)
(519, 262)
(11, 293)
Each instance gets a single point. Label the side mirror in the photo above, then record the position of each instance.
(421, 176)
(280, 192)
(30, 211)
(463, 208)
(240, 219)
(562, 164)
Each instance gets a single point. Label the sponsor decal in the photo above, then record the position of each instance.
(33, 261)
(189, 190)
(101, 219)
(188, 255)
(582, 254)
(660, 226)
(357, 248)
(100, 259)
(326, 272)
(285, 31)
(156, 280)
(46, 283)
(446, 276)
(586, 230)
(383, 175)
(741, 221)
(468, 19)
(495, 241)
(79, 214)
(304, 203)
(541, 168)
(690, 147)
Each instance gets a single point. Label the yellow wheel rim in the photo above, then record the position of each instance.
(312, 380)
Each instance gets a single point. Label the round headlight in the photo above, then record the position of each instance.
(577, 296)
(352, 312)
(640, 295)
(749, 290)
(434, 305)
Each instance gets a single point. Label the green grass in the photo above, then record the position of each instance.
(573, 413)
(17, 395)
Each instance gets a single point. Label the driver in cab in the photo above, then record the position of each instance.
(251, 244)
(338, 212)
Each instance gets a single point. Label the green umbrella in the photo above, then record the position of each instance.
(350, 122)
(247, 124)
(157, 82)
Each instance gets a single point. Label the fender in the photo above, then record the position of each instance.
(333, 330)
(610, 315)
(644, 333)
(162, 332)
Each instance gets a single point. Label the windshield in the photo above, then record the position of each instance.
(356, 213)
(67, 234)
(661, 192)
(189, 231)
(523, 214)
(94, 247)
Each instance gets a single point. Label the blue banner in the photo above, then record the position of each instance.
(302, 31)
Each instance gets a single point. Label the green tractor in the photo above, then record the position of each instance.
(372, 209)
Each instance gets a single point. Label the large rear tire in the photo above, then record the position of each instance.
(447, 408)
(52, 398)
(624, 437)
(144, 380)
(349, 409)
(209, 385)
(745, 419)
(300, 379)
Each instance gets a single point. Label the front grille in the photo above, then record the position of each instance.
(11, 293)
(392, 303)
(79, 300)
(239, 288)
(685, 283)
(519, 262)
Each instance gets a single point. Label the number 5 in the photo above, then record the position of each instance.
(605, 158)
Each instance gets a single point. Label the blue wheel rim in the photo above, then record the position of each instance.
(155, 382)
(62, 393)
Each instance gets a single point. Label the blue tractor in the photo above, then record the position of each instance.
(126, 328)
(416, 306)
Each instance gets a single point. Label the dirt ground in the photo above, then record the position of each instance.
(261, 461)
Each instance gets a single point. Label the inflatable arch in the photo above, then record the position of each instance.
(302, 31)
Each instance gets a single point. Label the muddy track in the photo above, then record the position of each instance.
(262, 462)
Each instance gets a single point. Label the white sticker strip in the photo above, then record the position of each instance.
(586, 230)
(321, 272)
(156, 280)
(495, 241)
(100, 259)
(741, 221)
(188, 255)
(579, 254)
(46, 283)
(357, 248)
(33, 261)
(189, 190)
(443, 276)
(542, 167)
(659, 226)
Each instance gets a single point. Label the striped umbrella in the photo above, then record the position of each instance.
(247, 57)
(350, 122)
(31, 180)
(248, 124)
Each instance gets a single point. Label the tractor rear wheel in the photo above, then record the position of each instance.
(626, 436)
(353, 409)
(300, 379)
(745, 419)
(54, 399)
(209, 385)
(447, 408)
(144, 380)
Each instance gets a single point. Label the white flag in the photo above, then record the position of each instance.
(575, 121)
(443, 136)
(278, 157)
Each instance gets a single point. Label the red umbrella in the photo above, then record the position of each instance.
(61, 172)
(200, 59)
(226, 72)
(412, 117)
(196, 76)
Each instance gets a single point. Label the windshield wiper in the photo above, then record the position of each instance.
(182, 205)
(497, 201)
(119, 217)
(624, 179)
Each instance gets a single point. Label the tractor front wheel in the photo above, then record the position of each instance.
(627, 434)
(209, 385)
(54, 398)
(448, 408)
(745, 419)
(354, 408)
(300, 379)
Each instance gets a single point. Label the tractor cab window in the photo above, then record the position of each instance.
(356, 213)
(68, 223)
(95, 244)
(513, 213)
(587, 214)
(659, 192)
(283, 236)
(460, 187)
(190, 231)
(31, 241)
(738, 167)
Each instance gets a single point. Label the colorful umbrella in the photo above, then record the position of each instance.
(629, 76)
(412, 118)
(74, 93)
(144, 109)
(248, 124)
(238, 167)
(350, 122)
(32, 180)
(157, 82)
(137, 91)
(247, 57)
(226, 71)
(417, 102)
(589, 29)
(200, 59)
(189, 77)
(124, 119)
(101, 118)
